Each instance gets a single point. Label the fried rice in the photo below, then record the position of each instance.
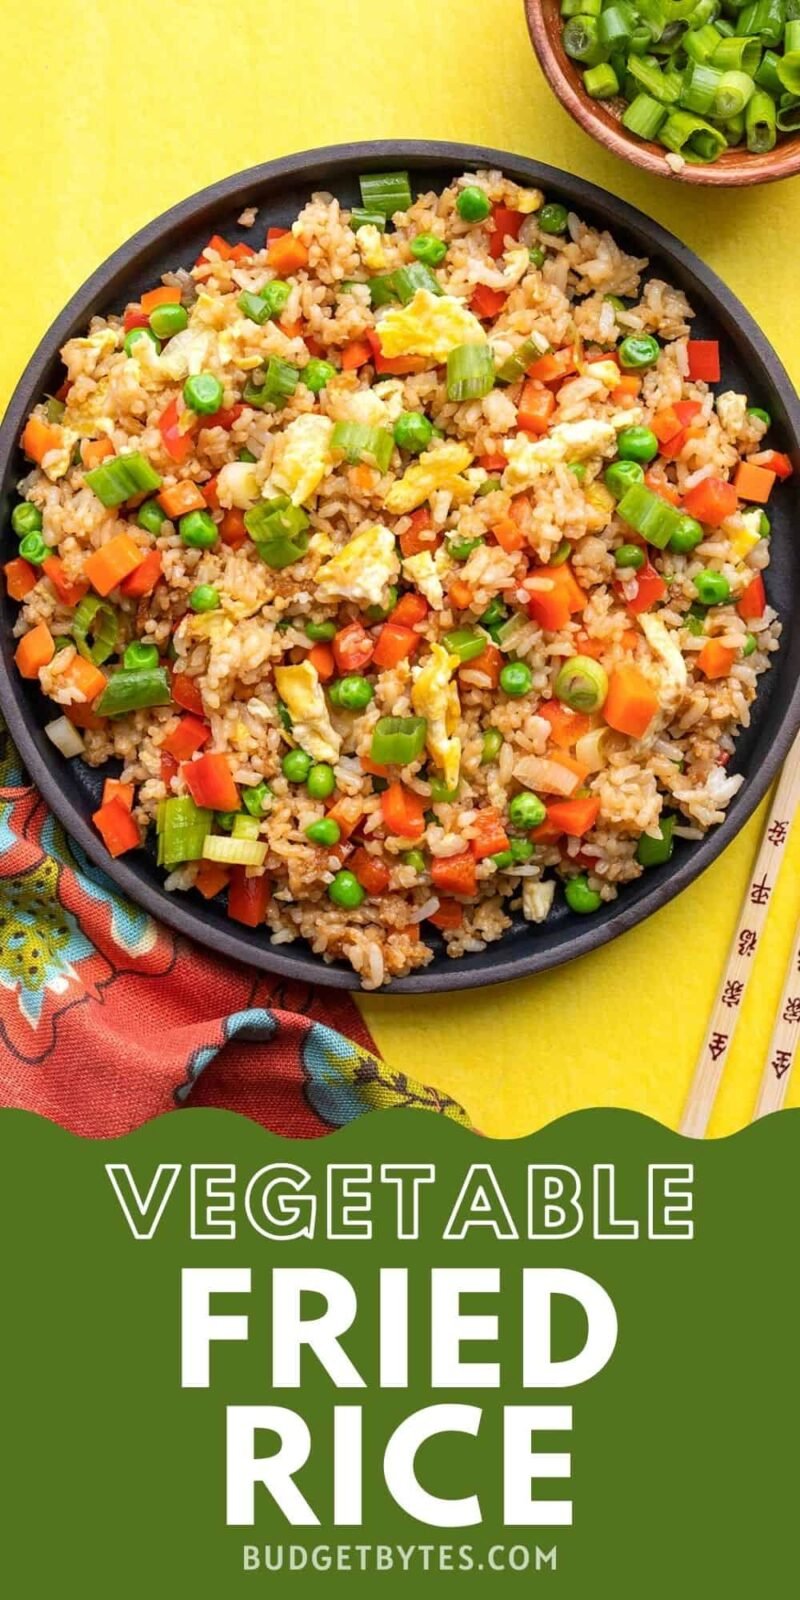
(490, 525)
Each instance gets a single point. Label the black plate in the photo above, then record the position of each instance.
(280, 189)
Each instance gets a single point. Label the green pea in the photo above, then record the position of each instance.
(140, 655)
(167, 320)
(516, 678)
(198, 529)
(318, 632)
(325, 832)
(763, 416)
(489, 486)
(582, 684)
(258, 799)
(495, 613)
(526, 810)
(440, 794)
(503, 859)
(226, 819)
(688, 534)
(553, 219)
(562, 553)
(637, 444)
(140, 333)
(536, 256)
(629, 555)
(26, 518)
(275, 296)
(621, 475)
(380, 613)
(150, 517)
(473, 204)
(296, 766)
(638, 351)
(522, 849)
(320, 781)
(491, 746)
(413, 431)
(415, 859)
(203, 393)
(764, 525)
(246, 455)
(653, 851)
(580, 897)
(346, 890)
(352, 693)
(750, 644)
(461, 549)
(317, 374)
(33, 548)
(429, 249)
(204, 598)
(712, 588)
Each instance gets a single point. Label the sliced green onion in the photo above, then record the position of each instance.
(279, 531)
(701, 45)
(615, 25)
(407, 280)
(761, 123)
(662, 86)
(515, 366)
(733, 129)
(232, 852)
(134, 689)
(765, 18)
(682, 129)
(95, 629)
(581, 40)
(789, 114)
(182, 828)
(644, 116)
(741, 54)
(355, 442)
(466, 643)
(122, 478)
(386, 192)
(651, 516)
(398, 740)
(789, 64)
(244, 826)
(359, 218)
(254, 307)
(470, 372)
(767, 74)
(601, 82)
(732, 95)
(277, 386)
(701, 86)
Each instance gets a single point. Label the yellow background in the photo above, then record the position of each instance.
(113, 110)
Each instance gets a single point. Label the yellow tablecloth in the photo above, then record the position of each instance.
(113, 111)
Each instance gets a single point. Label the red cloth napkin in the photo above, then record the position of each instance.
(108, 1019)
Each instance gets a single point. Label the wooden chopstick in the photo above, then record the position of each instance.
(784, 1041)
(741, 956)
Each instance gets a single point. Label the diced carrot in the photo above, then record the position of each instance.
(536, 407)
(347, 814)
(209, 492)
(562, 758)
(353, 648)
(557, 364)
(455, 874)
(665, 424)
(585, 646)
(716, 659)
(292, 330)
(242, 251)
(547, 831)
(490, 836)
(509, 535)
(574, 817)
(182, 498)
(566, 727)
(164, 295)
(84, 676)
(372, 873)
(774, 460)
(322, 658)
(403, 812)
(753, 600)
(448, 916)
(486, 302)
(232, 530)
(375, 768)
(211, 879)
(626, 390)
(489, 663)
(687, 411)
(395, 643)
(35, 650)
(356, 355)
(629, 638)
(186, 693)
(105, 568)
(113, 789)
(21, 577)
(209, 782)
(631, 702)
(704, 363)
(67, 589)
(460, 594)
(754, 483)
(421, 535)
(650, 588)
(177, 439)
(362, 477)
(397, 366)
(553, 607)
(40, 437)
(248, 898)
(93, 451)
(116, 827)
(410, 609)
(143, 579)
(80, 713)
(505, 224)
(190, 735)
(655, 480)
(286, 255)
(711, 501)
(492, 464)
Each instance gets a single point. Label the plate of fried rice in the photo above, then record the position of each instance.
(398, 559)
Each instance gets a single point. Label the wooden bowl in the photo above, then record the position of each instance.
(602, 118)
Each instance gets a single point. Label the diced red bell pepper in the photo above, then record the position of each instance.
(209, 782)
(505, 224)
(775, 461)
(177, 443)
(190, 735)
(248, 897)
(566, 727)
(116, 827)
(650, 588)
(455, 874)
(395, 643)
(421, 535)
(67, 589)
(753, 600)
(403, 812)
(449, 915)
(410, 609)
(704, 363)
(168, 768)
(186, 694)
(397, 366)
(487, 303)
(490, 836)
(216, 242)
(242, 251)
(224, 418)
(135, 319)
(353, 648)
(143, 579)
(711, 501)
(372, 873)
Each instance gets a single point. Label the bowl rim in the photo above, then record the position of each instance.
(736, 170)
(239, 188)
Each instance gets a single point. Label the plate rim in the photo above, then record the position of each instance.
(305, 965)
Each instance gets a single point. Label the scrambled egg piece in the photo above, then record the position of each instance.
(434, 695)
(237, 485)
(300, 689)
(526, 200)
(516, 263)
(606, 372)
(674, 676)
(430, 325)
(347, 404)
(426, 571)
(528, 459)
(743, 533)
(363, 570)
(305, 458)
(81, 355)
(370, 245)
(439, 468)
(186, 354)
(55, 463)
